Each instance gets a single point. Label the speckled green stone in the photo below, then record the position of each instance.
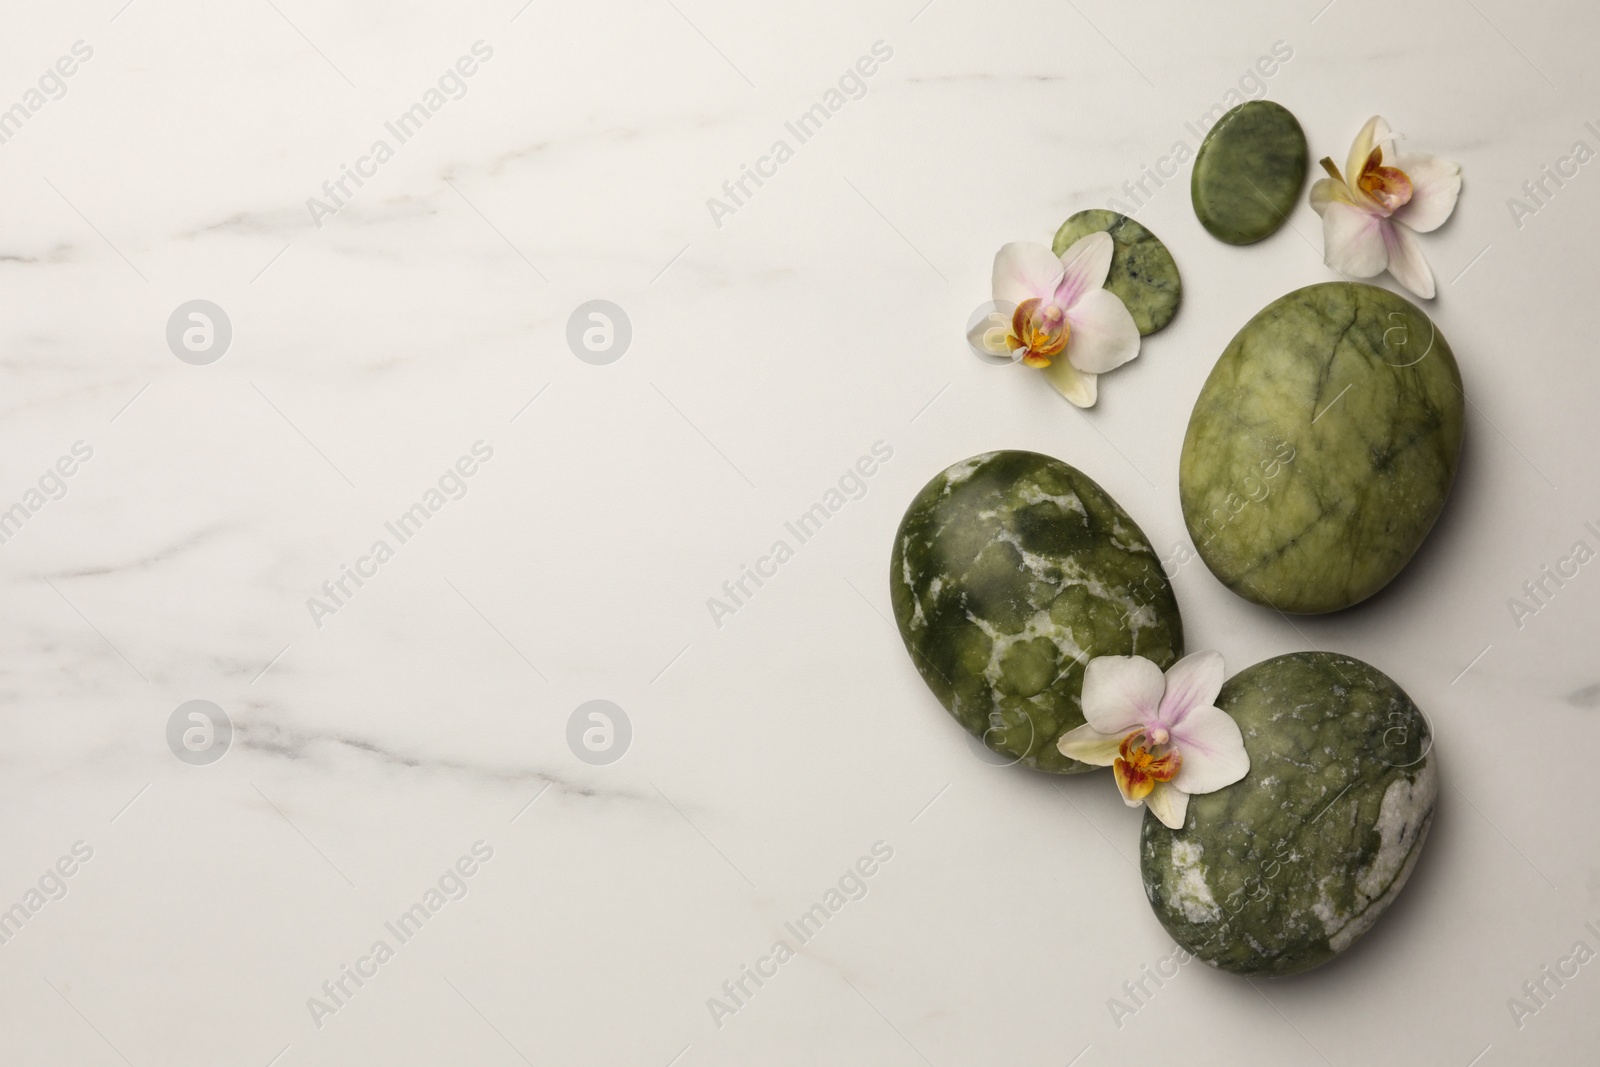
(1322, 447)
(1143, 274)
(1010, 571)
(1248, 172)
(1286, 868)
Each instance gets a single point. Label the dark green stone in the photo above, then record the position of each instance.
(1143, 275)
(1286, 868)
(1010, 571)
(1248, 172)
(1322, 447)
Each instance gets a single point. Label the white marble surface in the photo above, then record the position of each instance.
(768, 354)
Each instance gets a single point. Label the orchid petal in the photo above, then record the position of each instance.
(1085, 266)
(1024, 270)
(1104, 336)
(1435, 185)
(1406, 261)
(1088, 745)
(1326, 191)
(1168, 803)
(1121, 693)
(1213, 751)
(1192, 682)
(1374, 134)
(1077, 386)
(1352, 241)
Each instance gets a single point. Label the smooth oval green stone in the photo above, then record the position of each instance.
(1248, 172)
(1010, 571)
(1322, 447)
(1144, 276)
(1286, 868)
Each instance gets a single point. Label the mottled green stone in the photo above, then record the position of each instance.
(1143, 274)
(1285, 869)
(1322, 447)
(1248, 172)
(1010, 571)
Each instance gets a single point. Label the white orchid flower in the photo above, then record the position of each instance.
(1160, 734)
(1066, 323)
(1372, 213)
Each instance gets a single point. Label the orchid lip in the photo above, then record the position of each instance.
(1139, 770)
(1389, 187)
(1041, 329)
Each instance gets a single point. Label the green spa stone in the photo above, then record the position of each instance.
(1322, 447)
(1010, 571)
(1248, 172)
(1143, 274)
(1285, 869)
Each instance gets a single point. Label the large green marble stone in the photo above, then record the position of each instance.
(1248, 172)
(1010, 571)
(1322, 447)
(1285, 869)
(1143, 275)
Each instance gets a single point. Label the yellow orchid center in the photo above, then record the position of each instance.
(1140, 765)
(1389, 186)
(1040, 330)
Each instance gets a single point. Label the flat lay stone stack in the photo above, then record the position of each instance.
(1318, 456)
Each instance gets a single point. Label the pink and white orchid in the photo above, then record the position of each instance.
(1161, 735)
(1372, 213)
(1065, 322)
